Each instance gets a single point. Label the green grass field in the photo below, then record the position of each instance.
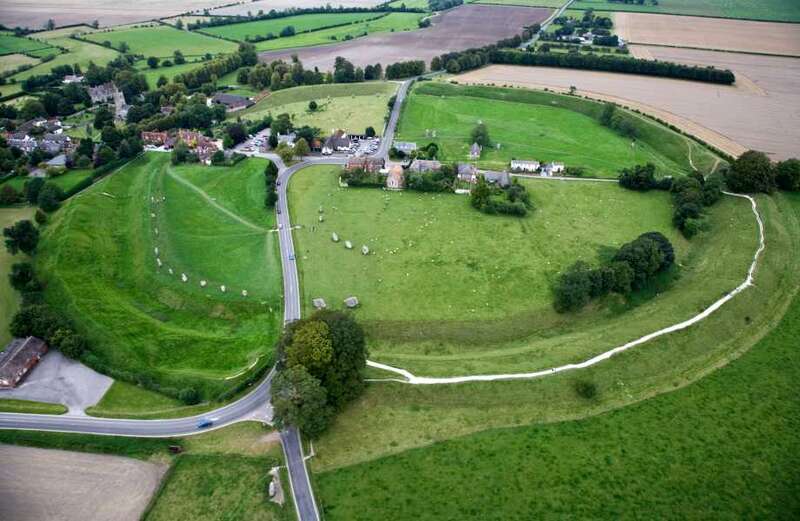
(152, 75)
(9, 298)
(352, 107)
(410, 4)
(554, 4)
(9, 62)
(10, 44)
(65, 181)
(773, 10)
(162, 41)
(208, 223)
(534, 125)
(27, 406)
(393, 22)
(124, 400)
(301, 24)
(723, 448)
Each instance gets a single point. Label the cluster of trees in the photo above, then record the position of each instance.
(496, 200)
(443, 180)
(271, 180)
(441, 5)
(405, 69)
(454, 62)
(754, 172)
(631, 268)
(617, 121)
(214, 69)
(599, 25)
(358, 177)
(321, 361)
(280, 75)
(154, 62)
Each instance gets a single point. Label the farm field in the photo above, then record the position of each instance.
(265, 5)
(35, 13)
(689, 453)
(77, 52)
(70, 179)
(446, 34)
(554, 4)
(37, 482)
(391, 23)
(770, 10)
(301, 24)
(531, 127)
(207, 223)
(162, 41)
(410, 4)
(9, 298)
(10, 44)
(703, 110)
(9, 62)
(351, 107)
(152, 75)
(709, 33)
(436, 300)
(391, 418)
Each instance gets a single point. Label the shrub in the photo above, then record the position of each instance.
(587, 390)
(189, 396)
(788, 175)
(751, 172)
(641, 177)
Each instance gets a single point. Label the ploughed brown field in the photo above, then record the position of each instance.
(454, 30)
(709, 33)
(760, 112)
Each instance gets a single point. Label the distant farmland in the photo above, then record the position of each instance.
(161, 41)
(301, 24)
(773, 10)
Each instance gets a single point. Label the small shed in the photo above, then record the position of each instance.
(351, 302)
(18, 358)
(319, 303)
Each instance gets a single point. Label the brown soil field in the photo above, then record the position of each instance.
(35, 13)
(45, 485)
(760, 112)
(709, 33)
(457, 29)
(268, 5)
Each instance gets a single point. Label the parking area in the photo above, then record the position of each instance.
(57, 379)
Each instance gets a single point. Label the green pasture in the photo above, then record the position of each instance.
(162, 41)
(352, 107)
(124, 400)
(535, 125)
(723, 447)
(391, 418)
(9, 62)
(71, 178)
(393, 22)
(410, 4)
(170, 72)
(27, 406)
(770, 10)
(208, 223)
(301, 23)
(9, 298)
(553, 4)
(10, 44)
(77, 52)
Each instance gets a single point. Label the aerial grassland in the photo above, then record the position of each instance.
(352, 107)
(10, 44)
(301, 24)
(772, 10)
(208, 224)
(162, 41)
(9, 297)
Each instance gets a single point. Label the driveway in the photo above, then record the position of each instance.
(57, 379)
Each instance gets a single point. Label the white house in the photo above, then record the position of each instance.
(519, 165)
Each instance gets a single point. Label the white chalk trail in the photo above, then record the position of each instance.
(748, 281)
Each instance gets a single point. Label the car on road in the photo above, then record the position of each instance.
(291, 256)
(205, 423)
(279, 211)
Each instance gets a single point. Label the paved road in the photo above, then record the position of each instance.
(546, 24)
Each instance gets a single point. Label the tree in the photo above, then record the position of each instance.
(21, 236)
(162, 80)
(179, 24)
(301, 148)
(369, 132)
(50, 25)
(343, 70)
(480, 135)
(312, 105)
(103, 117)
(343, 378)
(640, 177)
(285, 152)
(22, 277)
(104, 156)
(152, 62)
(177, 57)
(32, 108)
(31, 188)
(751, 172)
(788, 175)
(124, 47)
(298, 399)
(311, 347)
(40, 217)
(189, 396)
(573, 288)
(645, 256)
(50, 197)
(71, 344)
(8, 195)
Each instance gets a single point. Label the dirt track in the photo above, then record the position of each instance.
(761, 113)
(44, 485)
(457, 29)
(709, 33)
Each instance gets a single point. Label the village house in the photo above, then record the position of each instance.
(467, 173)
(336, 142)
(501, 179)
(18, 358)
(551, 169)
(72, 78)
(232, 102)
(55, 143)
(22, 141)
(518, 165)
(102, 93)
(288, 139)
(475, 151)
(395, 179)
(405, 147)
(365, 163)
(120, 107)
(422, 166)
(156, 139)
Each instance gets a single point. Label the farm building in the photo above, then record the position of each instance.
(336, 142)
(467, 173)
(365, 163)
(157, 139)
(475, 151)
(552, 168)
(405, 147)
(496, 178)
(394, 181)
(518, 165)
(18, 358)
(422, 166)
(232, 102)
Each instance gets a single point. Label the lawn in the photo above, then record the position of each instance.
(302, 24)
(68, 180)
(162, 41)
(9, 62)
(9, 298)
(390, 23)
(124, 400)
(351, 107)
(207, 223)
(723, 448)
(441, 295)
(772, 10)
(10, 44)
(523, 126)
(152, 75)
(26, 406)
(77, 52)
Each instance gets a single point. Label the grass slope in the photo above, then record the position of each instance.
(301, 24)
(9, 298)
(211, 226)
(124, 400)
(390, 23)
(10, 62)
(162, 41)
(10, 44)
(772, 10)
(352, 107)
(534, 125)
(724, 447)
(27, 406)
